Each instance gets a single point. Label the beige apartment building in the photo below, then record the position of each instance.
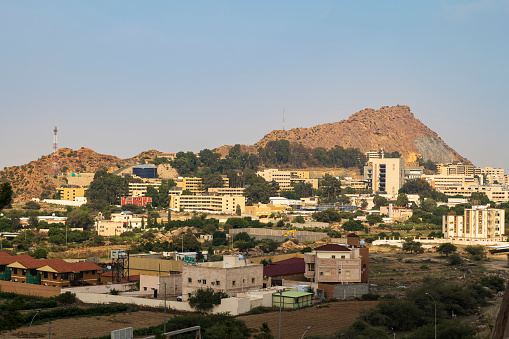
(374, 154)
(235, 191)
(494, 193)
(337, 264)
(70, 193)
(139, 189)
(489, 171)
(108, 228)
(208, 203)
(479, 222)
(232, 275)
(285, 178)
(455, 169)
(195, 185)
(444, 182)
(385, 175)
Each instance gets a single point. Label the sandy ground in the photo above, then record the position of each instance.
(324, 321)
(88, 326)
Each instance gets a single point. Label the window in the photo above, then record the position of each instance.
(45, 275)
(65, 276)
(217, 283)
(24, 272)
(233, 283)
(333, 257)
(55, 276)
(190, 280)
(204, 281)
(252, 280)
(343, 257)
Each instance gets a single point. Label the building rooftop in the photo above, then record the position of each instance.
(333, 248)
(292, 266)
(293, 294)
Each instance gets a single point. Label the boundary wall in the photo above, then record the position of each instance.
(30, 289)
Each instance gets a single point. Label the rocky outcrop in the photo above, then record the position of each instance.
(391, 128)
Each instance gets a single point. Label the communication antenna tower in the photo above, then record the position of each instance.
(55, 148)
(283, 118)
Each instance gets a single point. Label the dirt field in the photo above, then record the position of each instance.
(324, 321)
(88, 327)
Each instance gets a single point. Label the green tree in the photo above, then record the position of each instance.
(80, 218)
(416, 186)
(412, 246)
(446, 248)
(479, 197)
(31, 205)
(40, 253)
(477, 252)
(5, 194)
(329, 215)
(454, 260)
(402, 200)
(429, 205)
(205, 299)
(374, 219)
(353, 226)
(106, 188)
(380, 201)
(238, 211)
(266, 333)
(212, 180)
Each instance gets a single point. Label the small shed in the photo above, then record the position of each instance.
(292, 299)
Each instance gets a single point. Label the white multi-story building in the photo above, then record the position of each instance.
(479, 222)
(208, 203)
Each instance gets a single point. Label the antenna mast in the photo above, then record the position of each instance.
(55, 149)
(283, 118)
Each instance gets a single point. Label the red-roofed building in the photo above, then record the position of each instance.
(66, 274)
(290, 269)
(337, 264)
(139, 201)
(52, 272)
(4, 254)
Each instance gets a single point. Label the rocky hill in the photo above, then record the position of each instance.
(391, 128)
(39, 177)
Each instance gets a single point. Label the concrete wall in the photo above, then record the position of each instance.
(100, 289)
(278, 235)
(344, 291)
(234, 306)
(29, 289)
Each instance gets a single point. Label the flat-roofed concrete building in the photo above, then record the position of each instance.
(71, 193)
(337, 264)
(385, 175)
(236, 191)
(232, 275)
(137, 189)
(443, 182)
(455, 169)
(208, 203)
(285, 178)
(478, 222)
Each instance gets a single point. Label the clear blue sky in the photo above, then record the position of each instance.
(122, 77)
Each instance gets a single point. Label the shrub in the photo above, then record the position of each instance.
(370, 296)
(454, 259)
(67, 298)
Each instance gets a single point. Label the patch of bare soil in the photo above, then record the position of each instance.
(88, 327)
(324, 320)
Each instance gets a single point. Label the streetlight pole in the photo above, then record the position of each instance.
(29, 327)
(434, 301)
(280, 306)
(164, 325)
(307, 329)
